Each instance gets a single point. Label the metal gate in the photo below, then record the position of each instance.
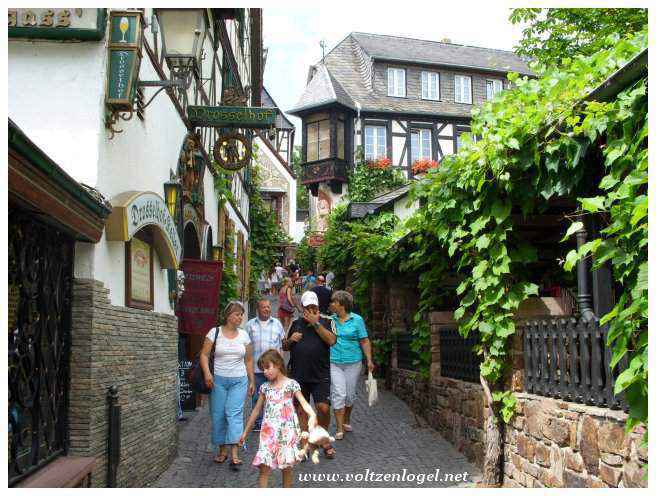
(40, 264)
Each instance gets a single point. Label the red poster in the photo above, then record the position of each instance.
(198, 305)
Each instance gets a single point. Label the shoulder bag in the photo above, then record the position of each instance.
(195, 376)
(286, 305)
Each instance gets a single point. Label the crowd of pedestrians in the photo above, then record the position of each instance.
(327, 344)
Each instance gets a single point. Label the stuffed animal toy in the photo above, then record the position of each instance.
(311, 441)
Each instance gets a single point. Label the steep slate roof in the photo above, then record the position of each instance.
(395, 48)
(281, 120)
(344, 76)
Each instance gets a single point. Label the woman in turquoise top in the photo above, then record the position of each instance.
(346, 359)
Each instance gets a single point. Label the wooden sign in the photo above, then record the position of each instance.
(316, 240)
(139, 273)
(243, 117)
(57, 24)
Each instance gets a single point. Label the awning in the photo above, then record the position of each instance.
(134, 210)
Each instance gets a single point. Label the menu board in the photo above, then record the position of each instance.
(187, 395)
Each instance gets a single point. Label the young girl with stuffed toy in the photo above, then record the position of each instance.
(280, 433)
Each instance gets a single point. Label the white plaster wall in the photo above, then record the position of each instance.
(403, 208)
(56, 96)
(291, 183)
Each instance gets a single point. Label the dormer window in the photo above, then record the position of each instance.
(462, 89)
(430, 85)
(493, 86)
(395, 82)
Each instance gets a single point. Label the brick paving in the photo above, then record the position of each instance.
(386, 440)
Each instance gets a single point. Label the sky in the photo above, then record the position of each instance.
(293, 31)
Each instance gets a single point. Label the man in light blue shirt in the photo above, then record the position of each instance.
(266, 332)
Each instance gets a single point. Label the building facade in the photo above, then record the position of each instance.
(378, 97)
(69, 70)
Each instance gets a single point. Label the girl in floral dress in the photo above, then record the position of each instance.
(280, 432)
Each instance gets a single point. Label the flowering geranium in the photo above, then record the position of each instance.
(422, 165)
(381, 163)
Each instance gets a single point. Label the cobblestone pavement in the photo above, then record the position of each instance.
(386, 440)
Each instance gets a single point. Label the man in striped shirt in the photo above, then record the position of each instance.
(266, 332)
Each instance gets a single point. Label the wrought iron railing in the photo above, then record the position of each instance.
(406, 358)
(39, 276)
(569, 359)
(458, 359)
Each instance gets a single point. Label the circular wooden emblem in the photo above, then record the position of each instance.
(232, 151)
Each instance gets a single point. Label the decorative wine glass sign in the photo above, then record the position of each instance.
(124, 25)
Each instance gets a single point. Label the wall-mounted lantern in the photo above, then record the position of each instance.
(217, 253)
(172, 191)
(183, 32)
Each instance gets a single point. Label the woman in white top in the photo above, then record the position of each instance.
(232, 380)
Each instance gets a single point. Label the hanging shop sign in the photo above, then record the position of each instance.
(134, 210)
(242, 117)
(198, 305)
(316, 240)
(232, 151)
(125, 43)
(57, 24)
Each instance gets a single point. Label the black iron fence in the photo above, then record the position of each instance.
(405, 356)
(458, 360)
(569, 359)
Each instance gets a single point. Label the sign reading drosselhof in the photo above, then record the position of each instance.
(244, 117)
(149, 208)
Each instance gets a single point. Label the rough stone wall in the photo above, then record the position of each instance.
(135, 350)
(553, 443)
(549, 443)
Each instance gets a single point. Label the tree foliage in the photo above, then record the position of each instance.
(554, 35)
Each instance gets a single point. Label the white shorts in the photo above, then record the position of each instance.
(344, 383)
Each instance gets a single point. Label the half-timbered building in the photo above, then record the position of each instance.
(377, 96)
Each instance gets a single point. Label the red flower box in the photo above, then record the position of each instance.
(422, 165)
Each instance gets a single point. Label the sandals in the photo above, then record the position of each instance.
(339, 436)
(234, 464)
(220, 458)
(329, 452)
(347, 427)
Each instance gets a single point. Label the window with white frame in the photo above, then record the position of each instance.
(463, 89)
(430, 85)
(395, 82)
(420, 145)
(492, 87)
(375, 142)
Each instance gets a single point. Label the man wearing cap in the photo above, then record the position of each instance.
(308, 341)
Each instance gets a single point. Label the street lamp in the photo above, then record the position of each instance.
(183, 32)
(172, 190)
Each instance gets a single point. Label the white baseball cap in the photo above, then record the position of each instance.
(309, 298)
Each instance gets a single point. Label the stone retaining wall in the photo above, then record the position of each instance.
(553, 443)
(135, 350)
(550, 443)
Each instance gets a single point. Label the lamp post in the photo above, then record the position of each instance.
(183, 32)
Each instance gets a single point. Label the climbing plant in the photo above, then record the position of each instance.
(370, 178)
(306, 255)
(531, 146)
